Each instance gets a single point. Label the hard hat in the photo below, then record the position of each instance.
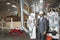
(32, 14)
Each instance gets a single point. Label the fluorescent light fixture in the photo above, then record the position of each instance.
(41, 0)
(14, 6)
(48, 4)
(8, 9)
(8, 3)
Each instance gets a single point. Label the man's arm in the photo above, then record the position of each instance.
(45, 25)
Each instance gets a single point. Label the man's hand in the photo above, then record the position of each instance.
(44, 33)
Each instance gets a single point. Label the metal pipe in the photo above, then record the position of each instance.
(26, 3)
(21, 3)
(26, 11)
(22, 17)
(41, 5)
(11, 25)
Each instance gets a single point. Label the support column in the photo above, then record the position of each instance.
(21, 5)
(22, 16)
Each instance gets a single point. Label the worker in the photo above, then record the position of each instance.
(31, 25)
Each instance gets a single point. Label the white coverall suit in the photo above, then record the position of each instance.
(31, 25)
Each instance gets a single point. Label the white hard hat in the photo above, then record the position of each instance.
(32, 14)
(41, 12)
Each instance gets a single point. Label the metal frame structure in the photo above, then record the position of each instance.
(23, 10)
(22, 15)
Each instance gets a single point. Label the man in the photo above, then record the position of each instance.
(42, 26)
(31, 25)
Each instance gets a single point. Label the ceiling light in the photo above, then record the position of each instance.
(8, 3)
(8, 9)
(41, 0)
(48, 4)
(14, 6)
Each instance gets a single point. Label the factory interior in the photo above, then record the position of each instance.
(14, 15)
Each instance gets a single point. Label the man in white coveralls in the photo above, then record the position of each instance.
(31, 25)
(53, 23)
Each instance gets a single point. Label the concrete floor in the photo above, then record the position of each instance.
(5, 36)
